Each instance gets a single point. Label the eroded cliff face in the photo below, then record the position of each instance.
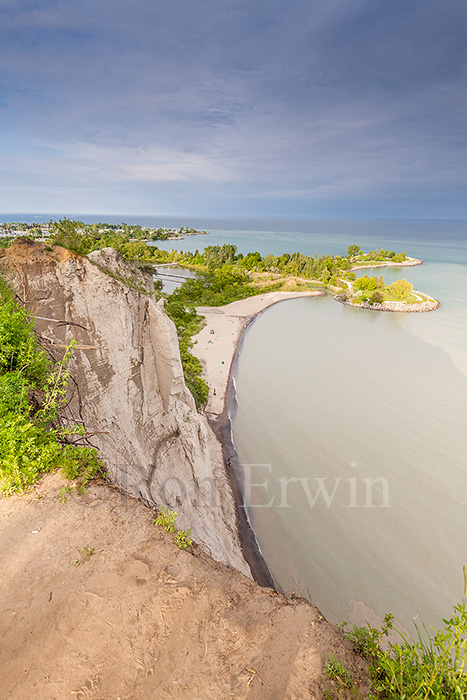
(127, 385)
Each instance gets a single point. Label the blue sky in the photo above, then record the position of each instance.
(235, 107)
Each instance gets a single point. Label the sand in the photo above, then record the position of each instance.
(217, 342)
(139, 618)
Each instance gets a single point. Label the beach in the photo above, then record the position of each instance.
(216, 343)
(215, 346)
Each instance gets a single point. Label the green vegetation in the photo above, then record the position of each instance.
(336, 671)
(182, 539)
(32, 393)
(431, 667)
(353, 250)
(373, 290)
(130, 232)
(366, 283)
(85, 554)
(219, 286)
(188, 323)
(224, 276)
(168, 520)
(400, 289)
(374, 256)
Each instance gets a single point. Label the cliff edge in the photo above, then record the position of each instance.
(127, 385)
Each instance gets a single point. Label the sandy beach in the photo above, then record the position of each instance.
(215, 345)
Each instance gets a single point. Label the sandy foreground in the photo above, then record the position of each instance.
(217, 342)
(97, 603)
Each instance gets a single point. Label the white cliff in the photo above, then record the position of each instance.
(127, 385)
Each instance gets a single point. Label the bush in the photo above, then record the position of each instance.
(32, 392)
(168, 520)
(336, 670)
(182, 539)
(369, 283)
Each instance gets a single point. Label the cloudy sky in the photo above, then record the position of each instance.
(234, 107)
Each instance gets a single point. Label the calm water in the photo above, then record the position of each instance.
(172, 276)
(332, 396)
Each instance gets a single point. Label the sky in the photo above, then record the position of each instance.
(307, 108)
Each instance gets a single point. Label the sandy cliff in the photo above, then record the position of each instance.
(127, 385)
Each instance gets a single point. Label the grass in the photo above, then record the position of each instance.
(432, 665)
(411, 299)
(336, 671)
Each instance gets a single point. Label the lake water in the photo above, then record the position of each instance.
(370, 407)
(330, 397)
(172, 276)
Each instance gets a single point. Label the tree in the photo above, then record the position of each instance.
(369, 283)
(72, 235)
(377, 296)
(353, 250)
(401, 289)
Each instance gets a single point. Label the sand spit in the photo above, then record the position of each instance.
(217, 342)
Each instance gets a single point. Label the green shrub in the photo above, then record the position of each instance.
(401, 289)
(32, 392)
(377, 296)
(167, 519)
(182, 539)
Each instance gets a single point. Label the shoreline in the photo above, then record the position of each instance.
(220, 378)
(429, 303)
(216, 344)
(410, 262)
(392, 306)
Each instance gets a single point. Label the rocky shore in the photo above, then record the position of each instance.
(410, 262)
(396, 306)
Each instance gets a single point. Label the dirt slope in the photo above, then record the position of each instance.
(139, 619)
